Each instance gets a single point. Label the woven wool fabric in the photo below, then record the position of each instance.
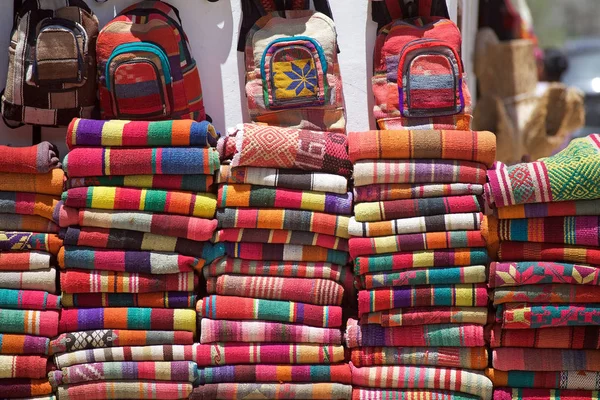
(468, 145)
(542, 272)
(522, 359)
(544, 394)
(557, 209)
(580, 231)
(295, 220)
(127, 318)
(426, 316)
(452, 357)
(311, 291)
(432, 223)
(548, 293)
(421, 259)
(33, 367)
(24, 388)
(87, 161)
(27, 223)
(37, 159)
(23, 344)
(50, 183)
(464, 295)
(266, 353)
(39, 279)
(22, 203)
(525, 251)
(285, 252)
(284, 178)
(232, 195)
(126, 389)
(585, 380)
(152, 300)
(28, 300)
(265, 332)
(420, 394)
(117, 133)
(434, 276)
(77, 281)
(149, 262)
(276, 373)
(403, 377)
(399, 191)
(395, 209)
(569, 337)
(25, 241)
(243, 308)
(108, 338)
(527, 316)
(275, 391)
(442, 335)
(24, 260)
(568, 175)
(277, 236)
(30, 322)
(275, 147)
(188, 183)
(371, 172)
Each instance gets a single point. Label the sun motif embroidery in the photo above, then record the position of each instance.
(302, 78)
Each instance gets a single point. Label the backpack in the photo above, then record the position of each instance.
(419, 80)
(51, 75)
(292, 71)
(146, 67)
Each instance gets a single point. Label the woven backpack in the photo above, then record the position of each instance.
(51, 64)
(146, 67)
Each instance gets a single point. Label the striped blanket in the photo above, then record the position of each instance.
(151, 300)
(568, 337)
(28, 300)
(243, 308)
(23, 344)
(36, 159)
(27, 223)
(39, 279)
(212, 331)
(276, 373)
(452, 357)
(399, 191)
(533, 316)
(542, 272)
(285, 252)
(25, 388)
(547, 293)
(29, 322)
(22, 203)
(557, 209)
(18, 366)
(188, 183)
(521, 359)
(426, 316)
(544, 394)
(581, 380)
(25, 241)
(24, 260)
(50, 183)
(419, 394)
(77, 281)
(525, 251)
(124, 390)
(580, 231)
(275, 391)
(277, 236)
(432, 223)
(434, 276)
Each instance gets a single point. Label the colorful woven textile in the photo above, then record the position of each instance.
(22, 203)
(544, 394)
(275, 391)
(415, 241)
(463, 295)
(420, 394)
(37, 159)
(127, 318)
(39, 279)
(188, 183)
(276, 373)
(311, 291)
(24, 388)
(284, 178)
(580, 231)
(433, 276)
(265, 332)
(77, 281)
(370, 172)
(527, 316)
(403, 377)
(569, 337)
(148, 262)
(285, 252)
(264, 196)
(430, 144)
(549, 293)
(525, 251)
(432, 223)
(24, 260)
(281, 237)
(585, 380)
(50, 183)
(568, 175)
(24, 241)
(27, 223)
(542, 272)
(295, 220)
(395, 209)
(426, 316)
(442, 335)
(29, 322)
(421, 259)
(558, 209)
(23, 344)
(125, 390)
(452, 357)
(33, 367)
(28, 300)
(152, 300)
(399, 191)
(275, 147)
(521, 359)
(117, 133)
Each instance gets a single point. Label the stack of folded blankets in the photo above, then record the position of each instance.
(138, 217)
(420, 263)
(30, 185)
(546, 283)
(271, 324)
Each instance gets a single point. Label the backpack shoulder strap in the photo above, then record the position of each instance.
(385, 11)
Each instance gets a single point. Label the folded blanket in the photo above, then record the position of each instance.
(414, 242)
(49, 183)
(275, 147)
(370, 172)
(568, 175)
(72, 320)
(275, 391)
(188, 183)
(284, 178)
(202, 205)
(527, 316)
(265, 332)
(422, 296)
(432, 223)
(442, 335)
(77, 281)
(543, 394)
(24, 388)
(432, 276)
(426, 316)
(24, 241)
(242, 308)
(524, 251)
(24, 260)
(542, 272)
(548, 293)
(521, 359)
(28, 300)
(404, 377)
(465, 145)
(421, 259)
(558, 209)
(27, 223)
(278, 236)
(124, 390)
(285, 252)
(29, 322)
(233, 195)
(108, 338)
(266, 353)
(148, 262)
(420, 394)
(36, 159)
(276, 373)
(452, 357)
(152, 300)
(116, 133)
(396, 209)
(399, 191)
(23, 344)
(567, 337)
(33, 367)
(23, 203)
(583, 380)
(39, 279)
(312, 291)
(580, 231)
(295, 220)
